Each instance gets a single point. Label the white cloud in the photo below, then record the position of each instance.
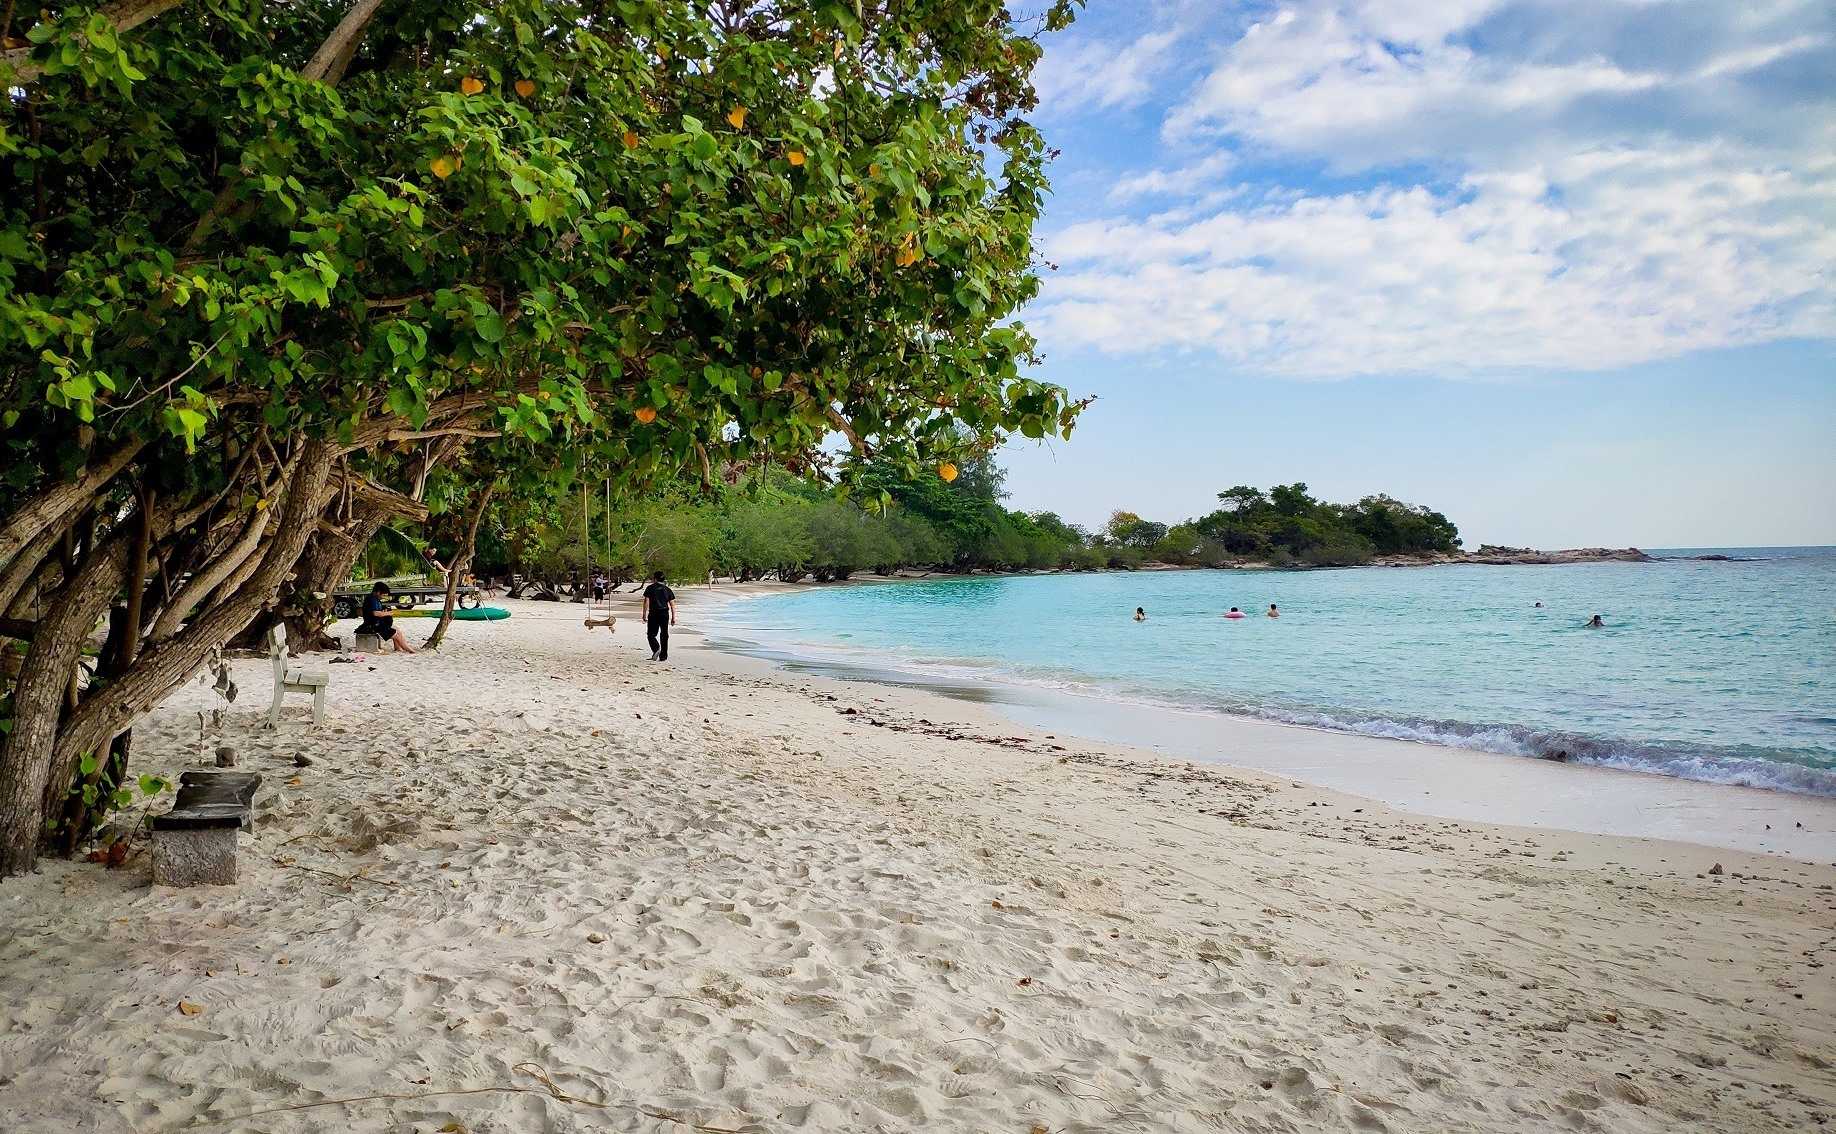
(1096, 74)
(1640, 255)
(1753, 58)
(1323, 84)
(1204, 174)
(1601, 195)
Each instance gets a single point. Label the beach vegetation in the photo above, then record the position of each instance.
(781, 526)
(274, 276)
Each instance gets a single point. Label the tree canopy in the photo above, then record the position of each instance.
(1287, 525)
(274, 275)
(777, 525)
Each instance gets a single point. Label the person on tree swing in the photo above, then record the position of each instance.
(380, 624)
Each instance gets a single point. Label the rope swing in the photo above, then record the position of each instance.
(599, 607)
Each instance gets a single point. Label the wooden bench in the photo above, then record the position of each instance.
(195, 842)
(293, 679)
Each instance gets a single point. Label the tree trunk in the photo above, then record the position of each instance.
(142, 552)
(333, 548)
(456, 569)
(38, 701)
(58, 501)
(325, 566)
(177, 658)
(208, 576)
(118, 653)
(16, 580)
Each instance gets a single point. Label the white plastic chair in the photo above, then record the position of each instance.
(293, 679)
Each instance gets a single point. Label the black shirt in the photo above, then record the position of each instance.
(657, 598)
(372, 609)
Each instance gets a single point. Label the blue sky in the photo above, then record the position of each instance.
(1562, 270)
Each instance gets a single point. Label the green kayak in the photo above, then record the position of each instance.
(476, 614)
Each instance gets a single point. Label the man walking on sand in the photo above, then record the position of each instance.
(659, 616)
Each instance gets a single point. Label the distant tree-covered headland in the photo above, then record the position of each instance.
(1286, 526)
(779, 526)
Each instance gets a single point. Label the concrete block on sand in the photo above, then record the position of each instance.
(203, 856)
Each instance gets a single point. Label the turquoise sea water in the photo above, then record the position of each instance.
(1721, 671)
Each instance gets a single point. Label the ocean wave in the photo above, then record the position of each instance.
(1797, 773)
(1734, 768)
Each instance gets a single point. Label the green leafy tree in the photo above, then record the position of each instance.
(1182, 544)
(1287, 525)
(1130, 530)
(762, 537)
(273, 265)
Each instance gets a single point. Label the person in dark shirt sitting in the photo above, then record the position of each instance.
(380, 624)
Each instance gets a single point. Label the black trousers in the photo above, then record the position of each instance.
(656, 632)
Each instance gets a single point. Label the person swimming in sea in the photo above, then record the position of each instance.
(1273, 611)
(1140, 615)
(1595, 623)
(1233, 612)
(1539, 606)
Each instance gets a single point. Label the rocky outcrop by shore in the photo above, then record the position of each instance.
(1491, 553)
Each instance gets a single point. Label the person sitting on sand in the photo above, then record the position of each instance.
(1274, 612)
(1140, 615)
(380, 624)
(1595, 623)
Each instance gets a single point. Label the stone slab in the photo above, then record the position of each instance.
(194, 857)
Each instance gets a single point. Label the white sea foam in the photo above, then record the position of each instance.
(906, 666)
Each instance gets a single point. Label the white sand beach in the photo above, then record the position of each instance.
(532, 882)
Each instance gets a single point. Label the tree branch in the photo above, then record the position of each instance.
(454, 431)
(334, 55)
(126, 15)
(398, 503)
(846, 429)
(51, 505)
(327, 65)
